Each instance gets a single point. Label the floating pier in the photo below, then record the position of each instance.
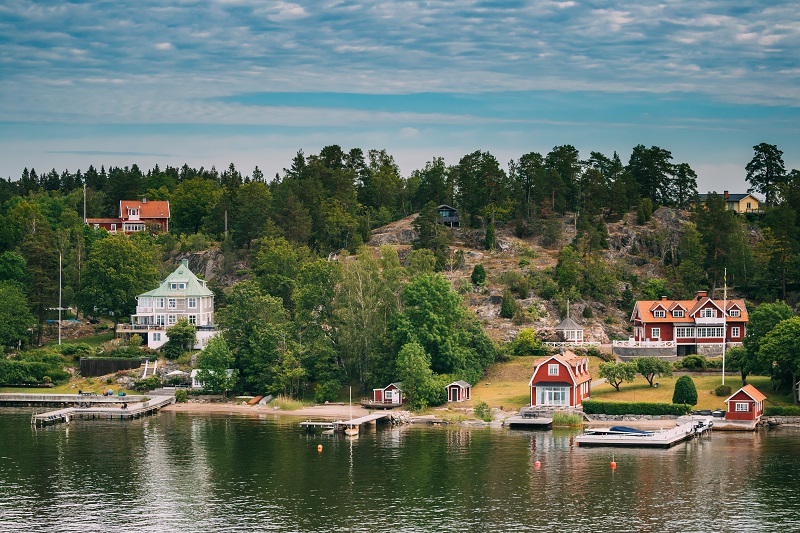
(664, 438)
(125, 412)
(525, 422)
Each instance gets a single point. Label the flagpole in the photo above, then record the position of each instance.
(724, 321)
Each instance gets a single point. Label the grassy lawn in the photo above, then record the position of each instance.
(640, 391)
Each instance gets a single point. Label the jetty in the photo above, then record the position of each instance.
(339, 425)
(665, 438)
(125, 411)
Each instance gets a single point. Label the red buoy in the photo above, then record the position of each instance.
(319, 448)
(613, 465)
(537, 465)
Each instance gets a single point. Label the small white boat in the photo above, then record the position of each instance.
(351, 430)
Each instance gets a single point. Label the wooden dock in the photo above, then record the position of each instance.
(526, 422)
(339, 425)
(125, 412)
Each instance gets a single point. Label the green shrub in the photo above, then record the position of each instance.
(694, 362)
(782, 410)
(587, 312)
(508, 305)
(685, 391)
(548, 289)
(595, 407)
(327, 391)
(483, 411)
(181, 395)
(478, 275)
(723, 390)
(146, 384)
(80, 348)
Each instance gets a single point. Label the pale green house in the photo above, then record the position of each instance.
(180, 295)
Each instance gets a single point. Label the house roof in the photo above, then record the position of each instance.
(461, 383)
(445, 206)
(567, 359)
(645, 309)
(194, 286)
(751, 391)
(732, 197)
(103, 220)
(568, 324)
(397, 384)
(147, 208)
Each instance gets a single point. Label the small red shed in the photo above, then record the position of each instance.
(458, 391)
(746, 403)
(560, 380)
(391, 394)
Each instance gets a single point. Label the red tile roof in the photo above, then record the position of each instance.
(571, 361)
(147, 209)
(751, 391)
(645, 309)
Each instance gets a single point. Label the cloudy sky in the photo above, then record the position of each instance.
(252, 82)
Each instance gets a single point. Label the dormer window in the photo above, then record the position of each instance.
(660, 313)
(133, 212)
(177, 286)
(735, 313)
(708, 313)
(677, 313)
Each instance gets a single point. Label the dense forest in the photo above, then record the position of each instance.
(369, 318)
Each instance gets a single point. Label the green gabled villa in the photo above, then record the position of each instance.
(180, 295)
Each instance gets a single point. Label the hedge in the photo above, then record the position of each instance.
(595, 407)
(782, 410)
(30, 372)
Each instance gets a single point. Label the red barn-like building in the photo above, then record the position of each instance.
(391, 394)
(746, 403)
(560, 380)
(690, 324)
(136, 216)
(459, 391)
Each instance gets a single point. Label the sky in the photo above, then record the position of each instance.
(253, 82)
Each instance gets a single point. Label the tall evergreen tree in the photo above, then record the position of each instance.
(766, 172)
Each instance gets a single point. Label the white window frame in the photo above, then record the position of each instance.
(548, 395)
(172, 303)
(735, 313)
(192, 302)
(684, 332)
(659, 313)
(677, 313)
(709, 312)
(157, 337)
(655, 333)
(742, 407)
(160, 320)
(171, 319)
(192, 319)
(735, 331)
(553, 369)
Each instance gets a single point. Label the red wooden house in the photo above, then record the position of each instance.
(458, 391)
(689, 324)
(391, 394)
(746, 403)
(136, 216)
(560, 380)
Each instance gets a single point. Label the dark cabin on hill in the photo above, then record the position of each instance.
(448, 216)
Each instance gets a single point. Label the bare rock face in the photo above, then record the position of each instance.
(399, 232)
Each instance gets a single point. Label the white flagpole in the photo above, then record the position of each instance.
(724, 321)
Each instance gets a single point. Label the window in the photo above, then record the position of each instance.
(684, 333)
(133, 212)
(677, 313)
(735, 313)
(192, 303)
(160, 303)
(97, 226)
(133, 227)
(157, 337)
(159, 320)
(749, 206)
(710, 333)
(113, 227)
(742, 407)
(192, 319)
(552, 395)
(708, 313)
(735, 332)
(660, 313)
(552, 369)
(171, 320)
(655, 333)
(172, 303)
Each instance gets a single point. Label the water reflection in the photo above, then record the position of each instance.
(179, 472)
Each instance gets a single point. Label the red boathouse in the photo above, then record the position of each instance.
(746, 403)
(560, 380)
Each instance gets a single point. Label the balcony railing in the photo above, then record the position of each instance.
(630, 343)
(708, 320)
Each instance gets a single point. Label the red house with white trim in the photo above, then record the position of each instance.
(699, 325)
(560, 380)
(391, 394)
(136, 216)
(746, 403)
(459, 391)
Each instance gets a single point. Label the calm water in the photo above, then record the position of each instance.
(181, 472)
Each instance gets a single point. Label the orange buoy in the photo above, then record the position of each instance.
(613, 465)
(537, 465)
(319, 448)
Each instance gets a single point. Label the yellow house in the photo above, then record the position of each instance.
(741, 203)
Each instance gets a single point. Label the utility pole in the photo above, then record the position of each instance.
(59, 308)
